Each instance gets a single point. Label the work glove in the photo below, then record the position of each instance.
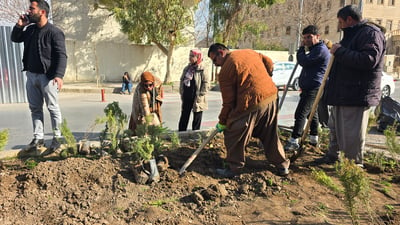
(220, 127)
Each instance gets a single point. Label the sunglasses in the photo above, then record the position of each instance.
(148, 85)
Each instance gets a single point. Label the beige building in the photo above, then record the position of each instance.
(286, 20)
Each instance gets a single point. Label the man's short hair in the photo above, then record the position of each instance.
(350, 10)
(215, 47)
(42, 4)
(311, 29)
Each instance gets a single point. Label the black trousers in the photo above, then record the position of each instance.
(187, 106)
(303, 111)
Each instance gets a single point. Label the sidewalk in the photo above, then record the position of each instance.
(109, 87)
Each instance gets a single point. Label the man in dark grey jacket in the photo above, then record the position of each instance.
(44, 61)
(354, 84)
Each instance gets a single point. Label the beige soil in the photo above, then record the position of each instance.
(103, 191)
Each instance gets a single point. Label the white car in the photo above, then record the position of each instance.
(387, 85)
(282, 72)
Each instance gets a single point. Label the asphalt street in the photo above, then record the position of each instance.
(81, 109)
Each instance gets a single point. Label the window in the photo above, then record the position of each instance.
(378, 21)
(353, 2)
(380, 2)
(391, 2)
(389, 25)
(370, 1)
(276, 30)
(326, 30)
(342, 3)
(288, 30)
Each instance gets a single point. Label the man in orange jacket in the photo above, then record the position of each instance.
(249, 106)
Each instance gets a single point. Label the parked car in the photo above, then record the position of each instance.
(282, 72)
(387, 85)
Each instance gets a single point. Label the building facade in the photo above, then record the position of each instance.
(286, 20)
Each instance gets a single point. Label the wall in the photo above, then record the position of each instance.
(99, 52)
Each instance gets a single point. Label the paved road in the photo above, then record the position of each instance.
(81, 109)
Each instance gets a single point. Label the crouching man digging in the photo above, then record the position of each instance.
(249, 107)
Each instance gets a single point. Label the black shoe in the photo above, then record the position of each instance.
(36, 143)
(54, 149)
(283, 172)
(326, 160)
(226, 173)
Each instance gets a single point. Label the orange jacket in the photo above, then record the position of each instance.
(245, 84)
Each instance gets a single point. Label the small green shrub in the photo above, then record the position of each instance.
(391, 139)
(321, 177)
(356, 187)
(69, 139)
(3, 138)
(115, 121)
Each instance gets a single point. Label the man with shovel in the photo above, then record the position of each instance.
(354, 84)
(313, 56)
(249, 107)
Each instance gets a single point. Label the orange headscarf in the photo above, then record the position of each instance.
(146, 76)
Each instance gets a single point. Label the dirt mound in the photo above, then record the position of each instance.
(103, 191)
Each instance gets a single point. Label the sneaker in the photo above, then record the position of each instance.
(283, 172)
(326, 160)
(54, 149)
(226, 173)
(314, 140)
(36, 143)
(292, 145)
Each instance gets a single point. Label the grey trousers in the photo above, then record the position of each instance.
(261, 124)
(40, 89)
(348, 128)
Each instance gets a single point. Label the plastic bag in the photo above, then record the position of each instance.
(387, 114)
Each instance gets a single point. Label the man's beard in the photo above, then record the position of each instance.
(34, 18)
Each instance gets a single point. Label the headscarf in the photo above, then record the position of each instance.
(192, 67)
(146, 76)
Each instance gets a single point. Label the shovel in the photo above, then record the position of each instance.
(298, 152)
(194, 155)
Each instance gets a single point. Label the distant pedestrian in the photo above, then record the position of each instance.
(354, 84)
(193, 89)
(249, 107)
(126, 83)
(147, 101)
(313, 56)
(44, 61)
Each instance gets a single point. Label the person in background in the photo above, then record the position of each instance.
(147, 101)
(126, 84)
(249, 107)
(45, 62)
(313, 56)
(354, 84)
(193, 89)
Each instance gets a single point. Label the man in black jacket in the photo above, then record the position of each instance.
(354, 84)
(44, 61)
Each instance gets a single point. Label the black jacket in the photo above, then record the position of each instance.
(355, 77)
(313, 65)
(51, 44)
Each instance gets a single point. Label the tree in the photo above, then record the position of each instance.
(230, 18)
(160, 22)
(11, 9)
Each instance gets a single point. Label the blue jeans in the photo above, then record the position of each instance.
(127, 86)
(40, 89)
